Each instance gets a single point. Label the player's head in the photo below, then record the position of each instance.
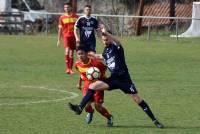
(87, 10)
(106, 39)
(67, 7)
(82, 53)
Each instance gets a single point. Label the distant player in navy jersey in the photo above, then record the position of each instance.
(85, 29)
(113, 55)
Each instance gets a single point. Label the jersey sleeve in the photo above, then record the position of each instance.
(117, 46)
(77, 24)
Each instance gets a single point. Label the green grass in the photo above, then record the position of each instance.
(166, 73)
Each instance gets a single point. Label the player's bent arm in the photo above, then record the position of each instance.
(104, 31)
(113, 38)
(79, 84)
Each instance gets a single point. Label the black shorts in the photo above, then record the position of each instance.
(122, 82)
(90, 46)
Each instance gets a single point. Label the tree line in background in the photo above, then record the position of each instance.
(56, 5)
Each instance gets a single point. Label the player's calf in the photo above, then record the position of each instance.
(158, 124)
(110, 121)
(147, 110)
(89, 117)
(104, 112)
(90, 112)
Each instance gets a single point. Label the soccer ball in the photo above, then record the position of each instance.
(93, 73)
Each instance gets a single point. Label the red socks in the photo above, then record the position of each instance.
(104, 112)
(89, 109)
(69, 62)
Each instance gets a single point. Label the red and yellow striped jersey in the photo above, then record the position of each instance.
(82, 68)
(66, 23)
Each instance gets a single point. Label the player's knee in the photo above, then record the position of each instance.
(98, 85)
(70, 53)
(136, 98)
(93, 85)
(98, 106)
(66, 51)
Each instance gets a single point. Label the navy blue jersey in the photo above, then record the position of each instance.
(87, 27)
(113, 55)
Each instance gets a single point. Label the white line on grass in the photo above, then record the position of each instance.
(72, 96)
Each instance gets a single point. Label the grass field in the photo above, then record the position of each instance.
(34, 90)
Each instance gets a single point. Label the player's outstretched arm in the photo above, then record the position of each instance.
(104, 31)
(112, 37)
(95, 56)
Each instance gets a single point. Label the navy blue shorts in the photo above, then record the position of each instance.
(90, 46)
(122, 82)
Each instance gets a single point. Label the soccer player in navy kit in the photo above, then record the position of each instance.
(113, 55)
(85, 28)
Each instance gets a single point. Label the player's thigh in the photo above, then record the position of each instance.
(69, 42)
(72, 43)
(65, 42)
(127, 87)
(111, 82)
(99, 85)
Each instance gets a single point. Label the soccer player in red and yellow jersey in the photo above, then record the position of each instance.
(66, 32)
(82, 64)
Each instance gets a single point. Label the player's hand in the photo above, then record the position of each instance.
(58, 43)
(78, 86)
(103, 28)
(77, 42)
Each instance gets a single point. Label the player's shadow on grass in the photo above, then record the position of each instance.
(132, 126)
(149, 126)
(124, 126)
(182, 127)
(166, 127)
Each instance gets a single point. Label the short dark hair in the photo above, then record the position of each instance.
(89, 6)
(82, 48)
(67, 3)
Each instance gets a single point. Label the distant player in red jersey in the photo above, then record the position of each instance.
(66, 32)
(82, 64)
